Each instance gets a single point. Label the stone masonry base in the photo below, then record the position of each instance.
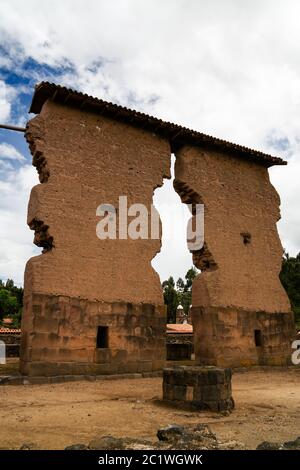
(71, 336)
(230, 337)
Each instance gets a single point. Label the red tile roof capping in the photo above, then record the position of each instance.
(180, 328)
(10, 330)
(176, 134)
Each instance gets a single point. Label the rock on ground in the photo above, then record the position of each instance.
(289, 445)
(170, 437)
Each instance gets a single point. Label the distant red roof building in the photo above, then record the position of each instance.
(183, 328)
(9, 330)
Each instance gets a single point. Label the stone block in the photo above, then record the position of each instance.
(168, 392)
(38, 380)
(147, 354)
(210, 393)
(179, 392)
(158, 364)
(106, 368)
(118, 355)
(148, 310)
(102, 355)
(118, 308)
(144, 366)
(46, 324)
(128, 367)
(36, 310)
(190, 378)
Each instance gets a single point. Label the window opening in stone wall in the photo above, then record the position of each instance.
(258, 338)
(102, 337)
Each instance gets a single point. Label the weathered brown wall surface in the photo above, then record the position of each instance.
(85, 160)
(241, 314)
(239, 290)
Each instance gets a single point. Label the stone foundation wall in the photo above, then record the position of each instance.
(62, 337)
(12, 343)
(10, 338)
(230, 337)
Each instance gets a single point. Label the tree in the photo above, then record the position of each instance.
(290, 278)
(15, 290)
(189, 277)
(11, 302)
(8, 304)
(17, 318)
(9, 284)
(185, 293)
(180, 284)
(182, 294)
(170, 299)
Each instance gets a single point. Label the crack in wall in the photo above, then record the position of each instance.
(35, 131)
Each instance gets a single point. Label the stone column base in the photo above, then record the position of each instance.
(203, 387)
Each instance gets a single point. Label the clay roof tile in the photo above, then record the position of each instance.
(177, 135)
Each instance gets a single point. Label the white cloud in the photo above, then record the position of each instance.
(16, 238)
(5, 101)
(174, 258)
(5, 166)
(9, 152)
(230, 69)
(286, 181)
(5, 62)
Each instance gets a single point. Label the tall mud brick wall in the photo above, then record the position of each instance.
(91, 306)
(95, 306)
(241, 313)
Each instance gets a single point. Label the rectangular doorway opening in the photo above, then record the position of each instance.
(102, 337)
(258, 338)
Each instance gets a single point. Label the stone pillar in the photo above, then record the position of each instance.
(241, 313)
(203, 387)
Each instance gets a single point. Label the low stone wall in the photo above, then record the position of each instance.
(180, 346)
(203, 387)
(12, 343)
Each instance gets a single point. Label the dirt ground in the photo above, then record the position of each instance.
(54, 416)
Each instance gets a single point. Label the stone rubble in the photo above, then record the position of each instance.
(171, 437)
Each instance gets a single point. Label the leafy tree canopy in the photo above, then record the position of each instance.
(11, 302)
(290, 278)
(178, 294)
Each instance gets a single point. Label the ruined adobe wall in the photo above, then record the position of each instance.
(80, 281)
(239, 289)
(239, 199)
(92, 160)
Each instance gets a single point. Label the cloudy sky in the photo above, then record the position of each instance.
(229, 68)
